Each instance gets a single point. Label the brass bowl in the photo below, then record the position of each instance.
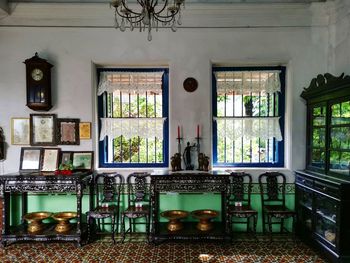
(174, 217)
(35, 221)
(63, 221)
(204, 217)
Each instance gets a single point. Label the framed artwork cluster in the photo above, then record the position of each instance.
(38, 159)
(48, 130)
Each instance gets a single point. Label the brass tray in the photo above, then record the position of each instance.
(63, 221)
(204, 217)
(174, 217)
(35, 221)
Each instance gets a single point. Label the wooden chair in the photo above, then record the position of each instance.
(273, 201)
(240, 205)
(107, 190)
(138, 203)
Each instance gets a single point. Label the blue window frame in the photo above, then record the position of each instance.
(255, 152)
(136, 151)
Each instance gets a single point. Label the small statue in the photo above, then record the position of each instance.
(206, 163)
(176, 162)
(187, 156)
(200, 161)
(203, 162)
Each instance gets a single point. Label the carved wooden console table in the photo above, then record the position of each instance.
(39, 183)
(189, 183)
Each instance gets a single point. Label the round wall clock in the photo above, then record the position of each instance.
(190, 84)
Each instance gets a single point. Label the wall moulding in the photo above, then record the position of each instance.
(194, 16)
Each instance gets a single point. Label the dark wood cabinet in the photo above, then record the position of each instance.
(323, 189)
(323, 207)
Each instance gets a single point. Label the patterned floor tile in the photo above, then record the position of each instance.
(239, 251)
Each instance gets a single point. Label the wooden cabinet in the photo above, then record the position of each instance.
(323, 189)
(323, 207)
(328, 125)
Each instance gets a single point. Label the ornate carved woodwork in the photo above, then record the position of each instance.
(39, 183)
(190, 183)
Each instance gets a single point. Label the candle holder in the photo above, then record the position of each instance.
(198, 144)
(179, 139)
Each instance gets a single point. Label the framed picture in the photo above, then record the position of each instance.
(65, 157)
(42, 129)
(83, 160)
(50, 159)
(85, 130)
(20, 131)
(68, 131)
(30, 160)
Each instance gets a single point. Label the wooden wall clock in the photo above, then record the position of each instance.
(38, 78)
(190, 84)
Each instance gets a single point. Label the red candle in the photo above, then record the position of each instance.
(198, 131)
(178, 131)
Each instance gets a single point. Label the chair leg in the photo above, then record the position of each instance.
(282, 224)
(130, 226)
(248, 224)
(99, 224)
(230, 226)
(122, 229)
(147, 228)
(89, 228)
(263, 223)
(113, 226)
(269, 221)
(255, 218)
(117, 222)
(294, 228)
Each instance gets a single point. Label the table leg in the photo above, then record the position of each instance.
(153, 213)
(24, 205)
(79, 222)
(3, 225)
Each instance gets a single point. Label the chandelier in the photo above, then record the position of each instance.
(149, 15)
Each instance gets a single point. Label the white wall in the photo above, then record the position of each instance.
(340, 40)
(74, 52)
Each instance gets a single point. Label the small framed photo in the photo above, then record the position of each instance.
(83, 160)
(43, 129)
(85, 130)
(50, 159)
(68, 131)
(66, 157)
(20, 131)
(30, 160)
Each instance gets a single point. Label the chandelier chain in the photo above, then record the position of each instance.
(151, 13)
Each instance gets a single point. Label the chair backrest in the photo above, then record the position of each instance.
(107, 188)
(275, 189)
(238, 181)
(138, 188)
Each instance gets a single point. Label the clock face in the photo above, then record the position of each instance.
(37, 74)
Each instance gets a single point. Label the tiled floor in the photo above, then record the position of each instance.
(240, 250)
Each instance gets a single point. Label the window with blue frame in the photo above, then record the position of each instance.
(248, 111)
(133, 117)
